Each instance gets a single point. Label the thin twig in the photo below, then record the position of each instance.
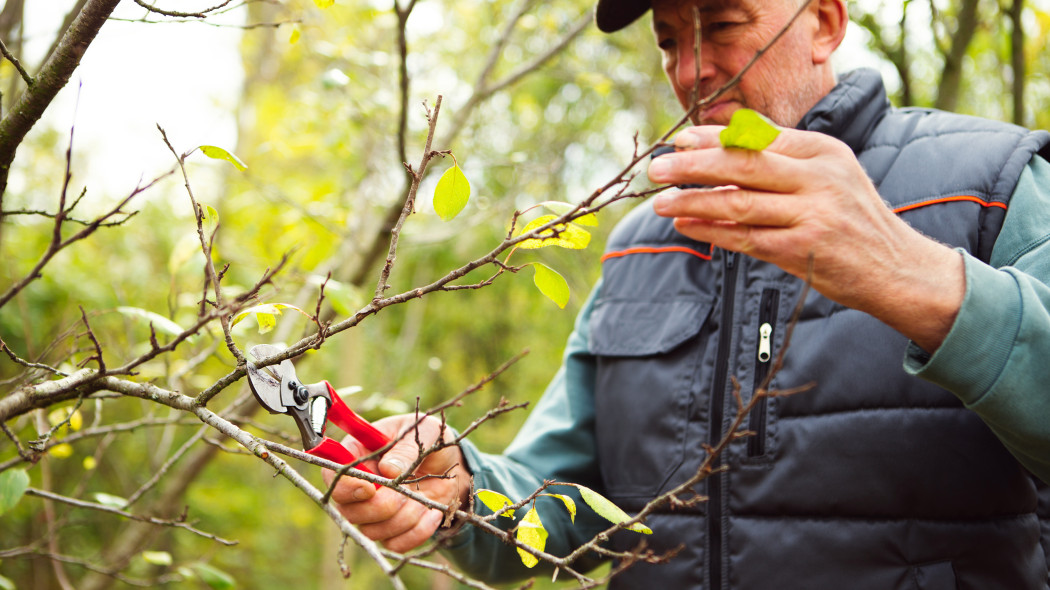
(201, 14)
(122, 513)
(18, 65)
(410, 199)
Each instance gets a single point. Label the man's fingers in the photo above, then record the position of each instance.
(730, 204)
(418, 534)
(349, 489)
(790, 142)
(789, 164)
(385, 504)
(406, 517)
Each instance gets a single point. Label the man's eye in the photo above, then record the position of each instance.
(666, 44)
(721, 25)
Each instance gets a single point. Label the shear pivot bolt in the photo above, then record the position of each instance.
(299, 392)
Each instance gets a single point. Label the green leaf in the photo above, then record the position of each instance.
(568, 235)
(451, 193)
(570, 504)
(6, 584)
(749, 130)
(551, 284)
(561, 208)
(110, 500)
(217, 153)
(13, 485)
(214, 577)
(265, 314)
(157, 557)
(609, 511)
(209, 219)
(531, 534)
(495, 502)
(160, 323)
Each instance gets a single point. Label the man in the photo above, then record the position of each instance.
(928, 239)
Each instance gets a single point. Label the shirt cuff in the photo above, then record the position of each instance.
(978, 346)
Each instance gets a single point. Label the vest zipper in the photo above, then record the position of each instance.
(767, 320)
(714, 481)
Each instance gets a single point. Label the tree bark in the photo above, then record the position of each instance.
(951, 76)
(1017, 60)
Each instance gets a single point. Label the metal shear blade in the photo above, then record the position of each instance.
(265, 382)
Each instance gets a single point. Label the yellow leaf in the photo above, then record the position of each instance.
(531, 534)
(265, 314)
(322, 4)
(451, 193)
(76, 420)
(61, 451)
(295, 36)
(570, 504)
(749, 130)
(217, 153)
(496, 502)
(563, 235)
(90, 463)
(551, 284)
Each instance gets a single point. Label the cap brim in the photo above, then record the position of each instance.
(613, 15)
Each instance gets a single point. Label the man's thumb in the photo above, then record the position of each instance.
(393, 464)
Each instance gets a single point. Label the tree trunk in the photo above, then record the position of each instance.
(1017, 60)
(951, 76)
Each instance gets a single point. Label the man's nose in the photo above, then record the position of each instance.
(686, 72)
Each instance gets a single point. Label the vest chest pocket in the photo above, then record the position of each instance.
(649, 355)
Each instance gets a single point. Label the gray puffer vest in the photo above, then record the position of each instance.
(871, 480)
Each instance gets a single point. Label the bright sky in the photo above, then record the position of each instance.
(184, 76)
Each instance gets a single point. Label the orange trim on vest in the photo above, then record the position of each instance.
(977, 200)
(665, 250)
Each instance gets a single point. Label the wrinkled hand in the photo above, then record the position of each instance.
(806, 194)
(392, 518)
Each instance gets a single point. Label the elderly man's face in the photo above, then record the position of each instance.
(783, 84)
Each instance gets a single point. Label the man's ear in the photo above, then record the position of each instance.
(832, 18)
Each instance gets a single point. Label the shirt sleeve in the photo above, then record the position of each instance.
(996, 354)
(555, 443)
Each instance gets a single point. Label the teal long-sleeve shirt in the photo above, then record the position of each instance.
(994, 359)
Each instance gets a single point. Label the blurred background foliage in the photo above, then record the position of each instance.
(318, 126)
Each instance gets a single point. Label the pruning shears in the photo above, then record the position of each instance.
(311, 406)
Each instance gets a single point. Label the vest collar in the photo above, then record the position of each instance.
(851, 110)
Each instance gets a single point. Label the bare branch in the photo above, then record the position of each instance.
(201, 14)
(124, 514)
(18, 65)
(416, 177)
(213, 278)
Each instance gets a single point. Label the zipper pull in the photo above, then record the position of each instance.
(765, 333)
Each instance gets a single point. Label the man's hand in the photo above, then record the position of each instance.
(387, 516)
(806, 194)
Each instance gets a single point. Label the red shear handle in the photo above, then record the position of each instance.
(354, 425)
(333, 451)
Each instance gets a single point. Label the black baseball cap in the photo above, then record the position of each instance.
(613, 15)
